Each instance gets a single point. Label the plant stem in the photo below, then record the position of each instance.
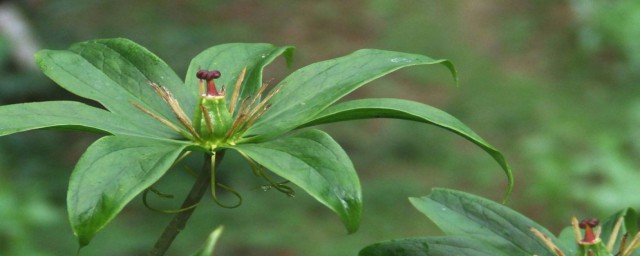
(179, 221)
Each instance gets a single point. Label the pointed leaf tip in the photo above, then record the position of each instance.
(209, 246)
(311, 89)
(412, 111)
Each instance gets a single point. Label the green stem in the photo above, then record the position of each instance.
(179, 221)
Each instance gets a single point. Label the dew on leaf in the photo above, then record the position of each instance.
(401, 60)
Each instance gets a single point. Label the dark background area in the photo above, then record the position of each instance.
(552, 84)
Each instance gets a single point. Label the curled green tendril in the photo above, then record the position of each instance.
(225, 187)
(280, 186)
(259, 171)
(163, 195)
(230, 190)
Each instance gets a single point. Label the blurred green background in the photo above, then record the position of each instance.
(552, 84)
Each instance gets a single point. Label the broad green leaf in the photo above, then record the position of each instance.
(116, 72)
(62, 114)
(309, 90)
(230, 59)
(461, 214)
(408, 110)
(432, 246)
(111, 173)
(209, 246)
(312, 160)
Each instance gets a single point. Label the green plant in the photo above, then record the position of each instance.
(148, 130)
(477, 226)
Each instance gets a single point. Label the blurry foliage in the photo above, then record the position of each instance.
(553, 84)
(611, 30)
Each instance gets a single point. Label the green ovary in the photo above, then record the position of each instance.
(213, 120)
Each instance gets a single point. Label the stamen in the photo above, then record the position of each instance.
(576, 229)
(235, 125)
(201, 87)
(207, 119)
(263, 102)
(258, 94)
(255, 117)
(168, 97)
(547, 242)
(635, 243)
(160, 119)
(244, 106)
(623, 243)
(236, 91)
(239, 119)
(614, 234)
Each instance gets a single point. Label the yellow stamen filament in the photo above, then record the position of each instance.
(255, 117)
(160, 119)
(576, 229)
(614, 234)
(236, 91)
(263, 102)
(244, 106)
(168, 97)
(249, 110)
(623, 242)
(235, 125)
(200, 87)
(258, 94)
(207, 118)
(547, 241)
(635, 243)
(239, 119)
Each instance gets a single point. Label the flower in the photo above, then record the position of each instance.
(215, 124)
(590, 243)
